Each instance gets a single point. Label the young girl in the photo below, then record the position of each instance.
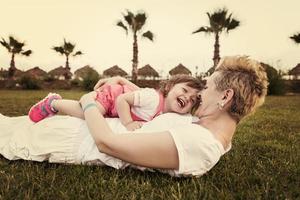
(179, 94)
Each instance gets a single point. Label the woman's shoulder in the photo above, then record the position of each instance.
(198, 150)
(195, 134)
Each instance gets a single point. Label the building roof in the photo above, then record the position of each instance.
(147, 70)
(295, 70)
(114, 71)
(180, 69)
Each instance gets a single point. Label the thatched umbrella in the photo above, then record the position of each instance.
(147, 71)
(84, 71)
(36, 72)
(60, 73)
(180, 69)
(114, 71)
(295, 71)
(18, 73)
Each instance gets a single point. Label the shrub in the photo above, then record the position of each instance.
(49, 78)
(89, 80)
(293, 86)
(29, 83)
(148, 83)
(75, 82)
(276, 83)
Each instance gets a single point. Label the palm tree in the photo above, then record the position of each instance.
(296, 38)
(67, 49)
(14, 47)
(219, 21)
(135, 23)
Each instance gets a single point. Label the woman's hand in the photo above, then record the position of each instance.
(109, 81)
(115, 80)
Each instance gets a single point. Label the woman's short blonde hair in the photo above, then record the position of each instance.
(247, 78)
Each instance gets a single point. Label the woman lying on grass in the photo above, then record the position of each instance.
(172, 143)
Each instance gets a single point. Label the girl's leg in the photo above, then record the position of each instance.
(68, 107)
(53, 103)
(72, 107)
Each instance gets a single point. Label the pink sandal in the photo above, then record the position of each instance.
(43, 109)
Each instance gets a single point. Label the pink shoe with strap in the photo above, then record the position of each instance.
(43, 108)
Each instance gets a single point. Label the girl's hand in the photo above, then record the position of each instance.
(134, 125)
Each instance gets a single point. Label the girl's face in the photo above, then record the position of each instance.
(180, 98)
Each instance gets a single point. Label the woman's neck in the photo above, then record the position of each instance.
(221, 125)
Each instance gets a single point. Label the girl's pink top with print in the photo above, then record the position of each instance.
(148, 103)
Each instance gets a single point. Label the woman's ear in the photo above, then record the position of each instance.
(228, 95)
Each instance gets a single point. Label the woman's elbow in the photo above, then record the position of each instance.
(103, 144)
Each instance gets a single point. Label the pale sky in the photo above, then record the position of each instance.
(263, 34)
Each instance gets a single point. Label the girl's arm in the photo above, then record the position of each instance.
(156, 150)
(115, 80)
(123, 104)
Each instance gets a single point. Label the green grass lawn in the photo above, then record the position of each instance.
(264, 163)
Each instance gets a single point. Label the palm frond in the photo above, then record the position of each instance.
(218, 18)
(68, 47)
(148, 35)
(204, 29)
(221, 20)
(16, 46)
(59, 49)
(77, 53)
(296, 38)
(232, 24)
(6, 45)
(129, 17)
(120, 23)
(27, 53)
(140, 20)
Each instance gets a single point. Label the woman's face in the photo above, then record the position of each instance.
(209, 97)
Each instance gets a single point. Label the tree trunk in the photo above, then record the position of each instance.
(67, 76)
(216, 58)
(135, 59)
(12, 69)
(67, 62)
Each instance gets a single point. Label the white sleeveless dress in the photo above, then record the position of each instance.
(64, 139)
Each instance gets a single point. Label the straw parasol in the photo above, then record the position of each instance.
(84, 71)
(114, 71)
(18, 73)
(36, 72)
(180, 69)
(147, 71)
(60, 73)
(295, 71)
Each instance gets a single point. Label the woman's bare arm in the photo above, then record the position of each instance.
(155, 150)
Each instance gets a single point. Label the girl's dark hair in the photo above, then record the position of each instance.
(166, 85)
(196, 83)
